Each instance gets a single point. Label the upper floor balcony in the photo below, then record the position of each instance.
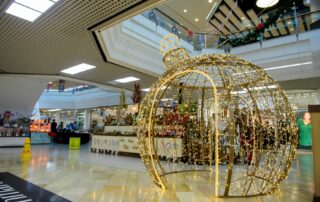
(284, 44)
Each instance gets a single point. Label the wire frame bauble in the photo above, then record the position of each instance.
(232, 124)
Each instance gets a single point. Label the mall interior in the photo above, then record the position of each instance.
(160, 100)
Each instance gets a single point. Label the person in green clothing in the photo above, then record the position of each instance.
(305, 136)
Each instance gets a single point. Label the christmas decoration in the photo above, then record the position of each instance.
(136, 97)
(242, 119)
(255, 34)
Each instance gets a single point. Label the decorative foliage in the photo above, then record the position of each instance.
(136, 97)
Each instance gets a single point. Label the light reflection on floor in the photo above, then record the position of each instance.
(85, 176)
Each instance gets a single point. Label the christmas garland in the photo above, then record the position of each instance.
(255, 34)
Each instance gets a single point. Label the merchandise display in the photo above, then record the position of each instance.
(120, 130)
(40, 126)
(242, 119)
(13, 132)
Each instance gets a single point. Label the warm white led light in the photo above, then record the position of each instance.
(127, 79)
(23, 12)
(146, 89)
(54, 110)
(196, 19)
(286, 66)
(78, 68)
(39, 5)
(254, 89)
(185, 10)
(266, 3)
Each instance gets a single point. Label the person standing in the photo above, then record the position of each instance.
(304, 126)
(53, 130)
(53, 126)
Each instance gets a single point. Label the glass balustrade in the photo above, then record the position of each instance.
(289, 23)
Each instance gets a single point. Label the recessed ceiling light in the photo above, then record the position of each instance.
(23, 12)
(196, 19)
(185, 10)
(54, 110)
(127, 79)
(266, 3)
(38, 5)
(146, 89)
(78, 68)
(210, 1)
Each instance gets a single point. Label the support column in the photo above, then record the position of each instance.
(315, 122)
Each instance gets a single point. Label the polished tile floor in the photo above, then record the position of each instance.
(85, 176)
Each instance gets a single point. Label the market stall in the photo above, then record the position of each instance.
(120, 131)
(13, 133)
(39, 131)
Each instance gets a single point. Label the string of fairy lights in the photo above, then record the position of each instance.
(229, 119)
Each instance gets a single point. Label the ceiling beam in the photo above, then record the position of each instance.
(281, 28)
(232, 18)
(225, 22)
(300, 24)
(239, 12)
(289, 24)
(220, 27)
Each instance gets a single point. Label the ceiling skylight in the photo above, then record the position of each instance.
(39, 5)
(23, 12)
(127, 79)
(29, 9)
(78, 68)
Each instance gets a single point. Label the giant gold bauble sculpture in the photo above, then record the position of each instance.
(240, 133)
